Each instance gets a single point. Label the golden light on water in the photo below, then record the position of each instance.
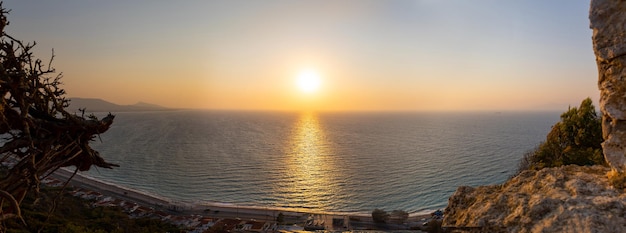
(310, 166)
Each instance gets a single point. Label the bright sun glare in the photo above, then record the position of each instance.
(308, 81)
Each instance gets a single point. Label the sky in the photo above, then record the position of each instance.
(369, 55)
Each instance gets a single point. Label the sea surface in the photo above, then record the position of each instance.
(340, 162)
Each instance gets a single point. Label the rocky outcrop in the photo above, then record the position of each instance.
(565, 199)
(569, 198)
(608, 22)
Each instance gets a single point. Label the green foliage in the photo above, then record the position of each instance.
(380, 216)
(576, 139)
(73, 214)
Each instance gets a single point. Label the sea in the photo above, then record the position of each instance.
(318, 161)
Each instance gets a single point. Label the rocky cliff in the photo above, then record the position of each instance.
(570, 198)
(565, 199)
(608, 22)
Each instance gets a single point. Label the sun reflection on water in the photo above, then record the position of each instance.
(310, 169)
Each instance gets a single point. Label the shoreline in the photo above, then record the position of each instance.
(214, 209)
(91, 182)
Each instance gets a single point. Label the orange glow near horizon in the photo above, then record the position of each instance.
(359, 56)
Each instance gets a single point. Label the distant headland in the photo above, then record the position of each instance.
(100, 105)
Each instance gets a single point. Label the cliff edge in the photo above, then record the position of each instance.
(563, 199)
(569, 198)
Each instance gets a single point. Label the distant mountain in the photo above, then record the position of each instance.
(99, 105)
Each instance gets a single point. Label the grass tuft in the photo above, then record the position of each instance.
(617, 179)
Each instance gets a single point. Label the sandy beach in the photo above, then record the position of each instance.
(218, 210)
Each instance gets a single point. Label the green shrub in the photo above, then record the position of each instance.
(576, 139)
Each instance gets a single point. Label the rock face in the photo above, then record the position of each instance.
(608, 22)
(564, 199)
(569, 198)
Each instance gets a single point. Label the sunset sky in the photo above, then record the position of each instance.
(363, 55)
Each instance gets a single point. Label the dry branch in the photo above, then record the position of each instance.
(37, 134)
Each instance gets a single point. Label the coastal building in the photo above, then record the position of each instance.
(205, 224)
(185, 222)
(129, 207)
(225, 225)
(256, 226)
(141, 211)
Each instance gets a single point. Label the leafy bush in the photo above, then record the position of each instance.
(576, 139)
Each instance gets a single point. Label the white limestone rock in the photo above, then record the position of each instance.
(608, 22)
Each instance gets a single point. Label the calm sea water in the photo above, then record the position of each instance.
(351, 162)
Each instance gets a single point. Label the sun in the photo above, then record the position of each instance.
(308, 81)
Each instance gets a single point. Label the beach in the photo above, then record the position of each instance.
(329, 220)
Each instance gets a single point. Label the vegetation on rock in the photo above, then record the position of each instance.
(576, 139)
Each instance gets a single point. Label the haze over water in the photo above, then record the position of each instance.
(351, 162)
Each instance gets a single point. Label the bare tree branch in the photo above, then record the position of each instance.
(39, 135)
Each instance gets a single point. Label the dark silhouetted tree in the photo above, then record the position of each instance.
(38, 134)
